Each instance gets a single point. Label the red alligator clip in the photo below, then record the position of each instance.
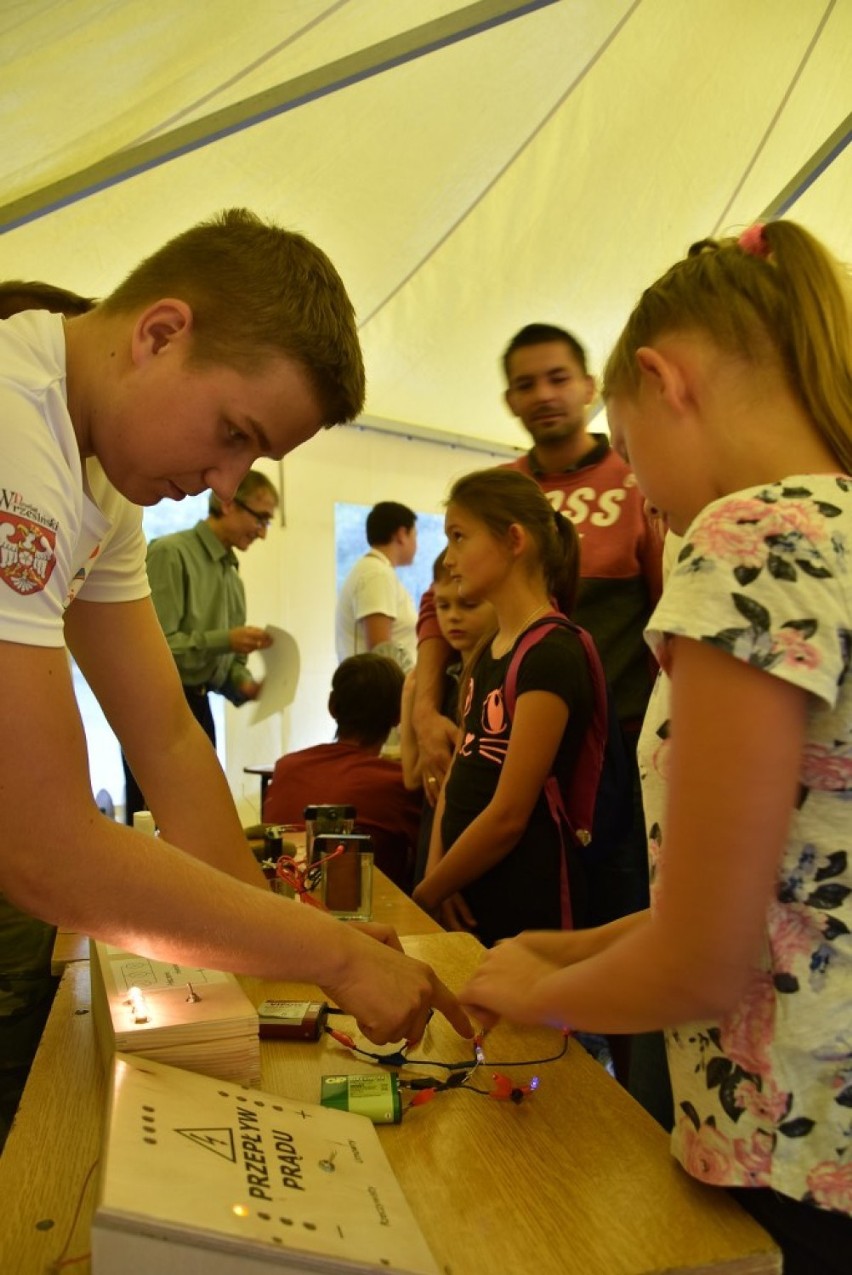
(505, 1091)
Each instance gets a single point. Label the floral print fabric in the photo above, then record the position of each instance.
(764, 1098)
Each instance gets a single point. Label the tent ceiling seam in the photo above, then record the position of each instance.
(128, 162)
(831, 149)
(174, 120)
(773, 123)
(443, 438)
(519, 150)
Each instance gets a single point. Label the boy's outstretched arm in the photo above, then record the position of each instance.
(63, 861)
(124, 656)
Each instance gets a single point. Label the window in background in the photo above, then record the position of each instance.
(104, 753)
(351, 543)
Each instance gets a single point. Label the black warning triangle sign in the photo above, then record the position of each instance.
(218, 1140)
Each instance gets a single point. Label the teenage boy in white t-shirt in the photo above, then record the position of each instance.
(236, 340)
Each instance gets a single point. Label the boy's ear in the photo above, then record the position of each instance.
(160, 326)
(663, 377)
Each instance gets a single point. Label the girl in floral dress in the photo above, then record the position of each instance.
(730, 390)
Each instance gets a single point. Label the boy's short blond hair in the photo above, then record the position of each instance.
(257, 291)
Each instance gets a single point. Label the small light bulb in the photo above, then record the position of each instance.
(138, 1006)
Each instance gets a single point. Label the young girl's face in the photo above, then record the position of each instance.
(666, 486)
(477, 560)
(463, 621)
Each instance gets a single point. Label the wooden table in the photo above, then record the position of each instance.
(390, 907)
(576, 1178)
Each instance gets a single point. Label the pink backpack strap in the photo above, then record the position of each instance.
(575, 809)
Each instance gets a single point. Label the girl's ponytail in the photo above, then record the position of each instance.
(817, 330)
(775, 294)
(566, 565)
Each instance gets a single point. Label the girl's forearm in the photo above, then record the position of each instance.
(436, 851)
(566, 947)
(639, 981)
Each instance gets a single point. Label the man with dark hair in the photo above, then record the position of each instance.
(201, 605)
(365, 700)
(385, 519)
(549, 390)
(375, 612)
(543, 334)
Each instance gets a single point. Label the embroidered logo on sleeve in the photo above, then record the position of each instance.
(27, 544)
(80, 577)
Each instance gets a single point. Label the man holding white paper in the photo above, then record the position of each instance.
(201, 605)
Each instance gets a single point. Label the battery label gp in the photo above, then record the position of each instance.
(376, 1096)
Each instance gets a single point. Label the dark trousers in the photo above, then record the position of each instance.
(617, 882)
(199, 703)
(617, 886)
(26, 994)
(813, 1241)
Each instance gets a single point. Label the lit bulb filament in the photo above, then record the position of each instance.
(138, 1006)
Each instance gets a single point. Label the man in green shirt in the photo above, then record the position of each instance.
(201, 605)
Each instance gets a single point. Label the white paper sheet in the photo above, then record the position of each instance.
(281, 674)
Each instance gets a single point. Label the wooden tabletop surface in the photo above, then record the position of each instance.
(577, 1177)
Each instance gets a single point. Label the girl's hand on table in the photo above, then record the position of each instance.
(505, 985)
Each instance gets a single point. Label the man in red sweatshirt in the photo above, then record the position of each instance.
(549, 389)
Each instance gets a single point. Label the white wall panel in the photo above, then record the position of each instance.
(290, 580)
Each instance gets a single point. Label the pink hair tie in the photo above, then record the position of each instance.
(753, 241)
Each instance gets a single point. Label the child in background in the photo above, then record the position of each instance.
(366, 692)
(495, 858)
(463, 623)
(731, 392)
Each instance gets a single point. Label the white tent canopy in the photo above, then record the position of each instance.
(469, 168)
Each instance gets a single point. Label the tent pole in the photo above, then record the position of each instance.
(427, 434)
(831, 149)
(387, 54)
